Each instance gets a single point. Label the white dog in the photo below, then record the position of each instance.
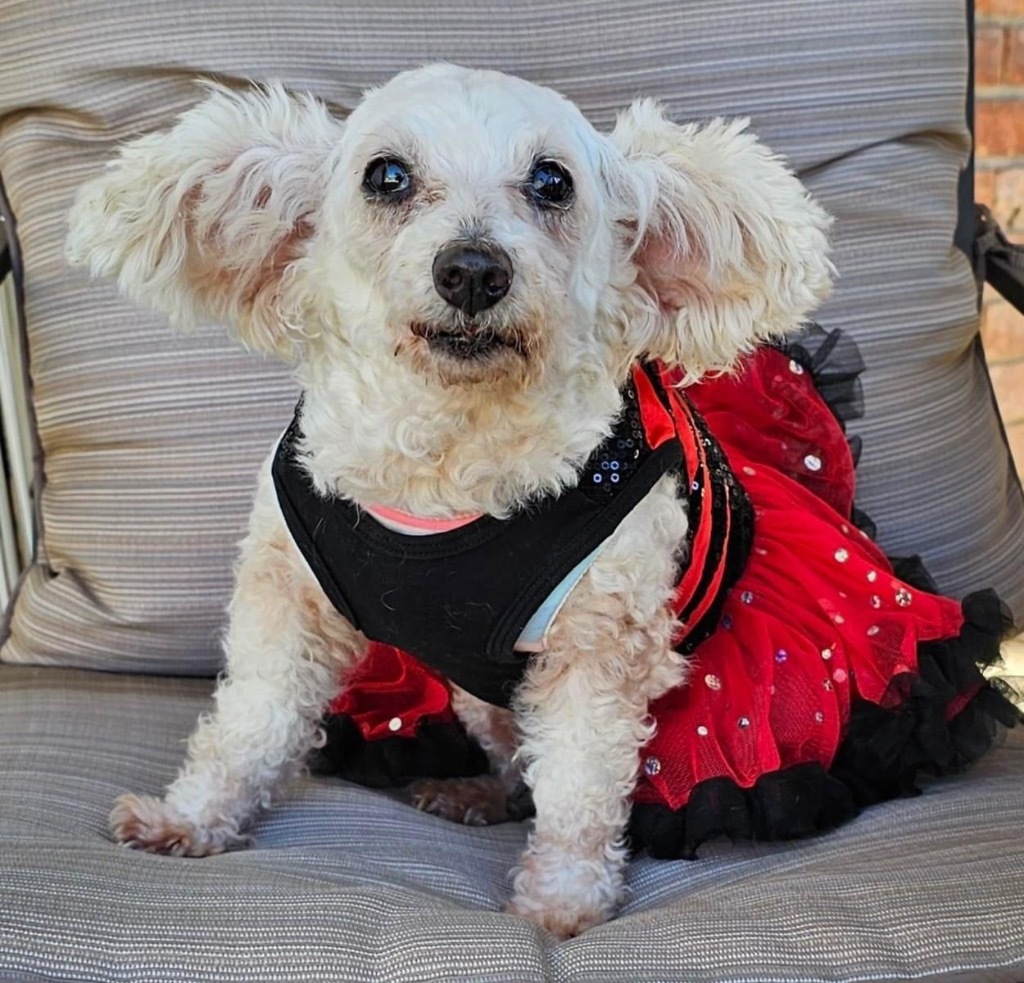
(463, 273)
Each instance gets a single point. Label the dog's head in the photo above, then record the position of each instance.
(467, 227)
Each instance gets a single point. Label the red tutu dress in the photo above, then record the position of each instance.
(830, 680)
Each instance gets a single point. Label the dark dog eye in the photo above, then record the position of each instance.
(385, 176)
(550, 183)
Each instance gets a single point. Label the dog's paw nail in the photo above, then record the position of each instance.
(469, 801)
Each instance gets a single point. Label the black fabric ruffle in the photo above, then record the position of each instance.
(834, 360)
(885, 750)
(782, 805)
(883, 755)
(439, 750)
(835, 364)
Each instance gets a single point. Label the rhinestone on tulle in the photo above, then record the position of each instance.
(838, 619)
(872, 576)
(827, 685)
(904, 597)
(826, 654)
(819, 717)
(846, 529)
(874, 630)
(748, 470)
(694, 485)
(395, 724)
(841, 555)
(795, 367)
(781, 655)
(747, 597)
(876, 601)
(727, 622)
(702, 731)
(812, 462)
(743, 723)
(839, 675)
(651, 767)
(712, 682)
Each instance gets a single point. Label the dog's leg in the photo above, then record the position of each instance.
(582, 712)
(286, 648)
(584, 723)
(482, 800)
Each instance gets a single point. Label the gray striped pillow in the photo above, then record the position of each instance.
(150, 442)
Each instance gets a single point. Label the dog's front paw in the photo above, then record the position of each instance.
(478, 801)
(562, 919)
(565, 900)
(146, 823)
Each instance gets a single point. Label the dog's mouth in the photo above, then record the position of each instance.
(470, 343)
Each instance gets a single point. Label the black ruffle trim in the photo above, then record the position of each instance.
(835, 364)
(439, 750)
(782, 805)
(882, 756)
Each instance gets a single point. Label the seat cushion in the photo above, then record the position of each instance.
(343, 883)
(150, 441)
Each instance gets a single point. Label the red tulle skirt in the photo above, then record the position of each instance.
(817, 620)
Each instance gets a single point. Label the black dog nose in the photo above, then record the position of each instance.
(472, 278)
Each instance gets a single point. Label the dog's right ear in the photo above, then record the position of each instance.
(204, 221)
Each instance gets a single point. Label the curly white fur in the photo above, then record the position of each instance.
(684, 243)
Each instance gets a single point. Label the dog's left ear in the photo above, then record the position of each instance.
(729, 247)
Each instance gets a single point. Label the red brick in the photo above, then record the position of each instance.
(1008, 382)
(1013, 57)
(999, 128)
(1002, 331)
(989, 48)
(999, 8)
(1008, 200)
(985, 187)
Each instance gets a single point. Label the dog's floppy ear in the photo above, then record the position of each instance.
(729, 247)
(203, 221)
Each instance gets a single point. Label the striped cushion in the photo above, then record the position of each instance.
(150, 442)
(346, 884)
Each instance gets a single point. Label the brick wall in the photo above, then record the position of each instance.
(999, 183)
